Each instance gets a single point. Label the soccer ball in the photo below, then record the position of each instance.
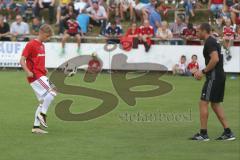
(70, 70)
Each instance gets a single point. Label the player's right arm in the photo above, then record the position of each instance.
(24, 66)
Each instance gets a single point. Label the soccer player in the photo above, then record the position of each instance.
(33, 63)
(213, 88)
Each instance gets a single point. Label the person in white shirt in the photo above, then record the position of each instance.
(19, 29)
(164, 33)
(181, 67)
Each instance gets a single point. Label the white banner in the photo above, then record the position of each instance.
(166, 55)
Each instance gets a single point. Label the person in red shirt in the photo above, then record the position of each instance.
(146, 32)
(132, 31)
(228, 37)
(193, 65)
(72, 29)
(33, 63)
(190, 35)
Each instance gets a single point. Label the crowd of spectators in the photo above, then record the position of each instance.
(75, 18)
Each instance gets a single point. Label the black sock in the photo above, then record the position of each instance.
(36, 126)
(227, 130)
(203, 131)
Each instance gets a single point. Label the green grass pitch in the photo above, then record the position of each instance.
(109, 137)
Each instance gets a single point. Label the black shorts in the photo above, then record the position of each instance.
(213, 90)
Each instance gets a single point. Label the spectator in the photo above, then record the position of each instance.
(83, 21)
(8, 5)
(237, 34)
(215, 6)
(4, 30)
(180, 68)
(132, 31)
(19, 29)
(190, 35)
(164, 33)
(36, 24)
(118, 22)
(61, 9)
(155, 17)
(146, 32)
(177, 29)
(68, 12)
(126, 5)
(98, 16)
(188, 6)
(235, 14)
(113, 7)
(46, 4)
(146, 11)
(72, 29)
(193, 66)
(228, 37)
(140, 4)
(113, 33)
(28, 4)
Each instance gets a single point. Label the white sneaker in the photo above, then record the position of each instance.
(42, 118)
(38, 131)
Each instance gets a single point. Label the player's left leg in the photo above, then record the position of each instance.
(227, 134)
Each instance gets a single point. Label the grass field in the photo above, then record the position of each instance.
(110, 137)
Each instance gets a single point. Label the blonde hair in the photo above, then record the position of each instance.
(46, 28)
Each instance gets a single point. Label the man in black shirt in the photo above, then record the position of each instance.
(4, 30)
(213, 88)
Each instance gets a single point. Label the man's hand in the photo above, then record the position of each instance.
(198, 75)
(30, 74)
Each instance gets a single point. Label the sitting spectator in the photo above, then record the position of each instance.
(19, 29)
(28, 4)
(98, 16)
(36, 24)
(113, 8)
(61, 9)
(140, 4)
(177, 29)
(46, 4)
(83, 21)
(228, 37)
(225, 14)
(237, 36)
(164, 33)
(188, 6)
(65, 16)
(126, 5)
(8, 5)
(72, 29)
(146, 11)
(235, 14)
(190, 35)
(113, 33)
(118, 22)
(193, 66)
(215, 6)
(4, 30)
(180, 68)
(132, 31)
(155, 17)
(146, 32)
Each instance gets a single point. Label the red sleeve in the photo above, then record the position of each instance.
(128, 32)
(152, 31)
(27, 50)
(197, 66)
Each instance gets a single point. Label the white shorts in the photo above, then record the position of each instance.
(42, 87)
